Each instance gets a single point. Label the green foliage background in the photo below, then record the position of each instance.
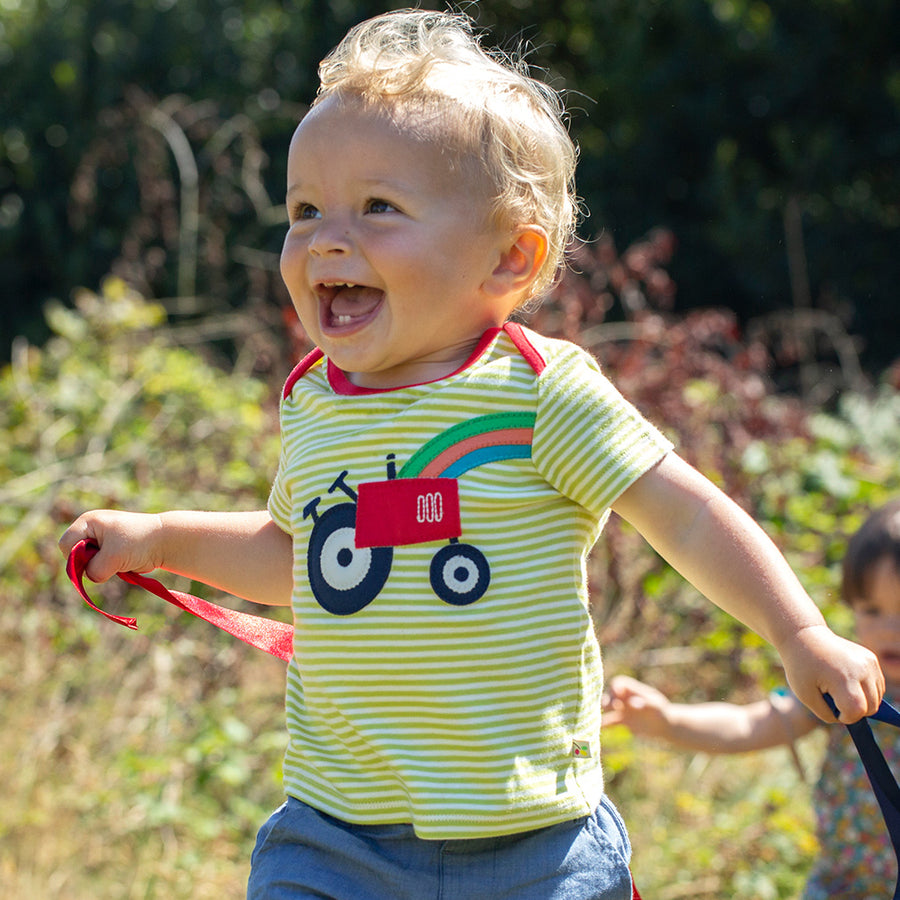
(147, 139)
(141, 764)
(764, 133)
(136, 765)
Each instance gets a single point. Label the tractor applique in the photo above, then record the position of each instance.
(351, 548)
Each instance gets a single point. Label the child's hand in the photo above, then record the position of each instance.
(637, 706)
(127, 541)
(817, 661)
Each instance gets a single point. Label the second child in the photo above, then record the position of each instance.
(855, 856)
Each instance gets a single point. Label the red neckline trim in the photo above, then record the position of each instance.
(300, 370)
(523, 344)
(341, 384)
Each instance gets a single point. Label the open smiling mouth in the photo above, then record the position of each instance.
(345, 303)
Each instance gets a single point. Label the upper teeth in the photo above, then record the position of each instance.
(337, 284)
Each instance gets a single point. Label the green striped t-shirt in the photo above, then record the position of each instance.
(445, 670)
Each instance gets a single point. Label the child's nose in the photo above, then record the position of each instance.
(329, 238)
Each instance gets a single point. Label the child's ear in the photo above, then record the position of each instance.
(520, 262)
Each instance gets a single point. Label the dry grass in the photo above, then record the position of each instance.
(140, 765)
(134, 766)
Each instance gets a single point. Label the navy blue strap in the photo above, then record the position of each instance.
(883, 782)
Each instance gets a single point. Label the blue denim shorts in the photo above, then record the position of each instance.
(302, 853)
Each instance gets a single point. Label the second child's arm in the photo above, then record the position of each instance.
(707, 727)
(242, 553)
(719, 549)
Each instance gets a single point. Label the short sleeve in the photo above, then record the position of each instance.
(590, 443)
(280, 502)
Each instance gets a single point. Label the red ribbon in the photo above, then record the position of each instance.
(266, 634)
(274, 637)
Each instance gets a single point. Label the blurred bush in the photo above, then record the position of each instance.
(135, 764)
(142, 764)
(763, 134)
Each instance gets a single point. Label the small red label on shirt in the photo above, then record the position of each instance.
(407, 511)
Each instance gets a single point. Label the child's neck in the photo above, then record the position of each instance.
(423, 371)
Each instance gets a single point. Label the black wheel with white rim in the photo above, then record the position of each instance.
(344, 578)
(460, 574)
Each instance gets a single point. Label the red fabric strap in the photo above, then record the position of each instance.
(274, 637)
(270, 635)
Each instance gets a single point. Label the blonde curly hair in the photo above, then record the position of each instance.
(430, 69)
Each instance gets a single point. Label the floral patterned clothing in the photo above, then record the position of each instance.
(856, 860)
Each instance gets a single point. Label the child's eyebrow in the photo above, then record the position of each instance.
(376, 184)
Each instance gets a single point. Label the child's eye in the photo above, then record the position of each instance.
(377, 205)
(303, 211)
(867, 611)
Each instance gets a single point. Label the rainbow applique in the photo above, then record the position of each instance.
(484, 439)
(351, 547)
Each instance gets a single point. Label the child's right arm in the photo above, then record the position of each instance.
(707, 727)
(242, 553)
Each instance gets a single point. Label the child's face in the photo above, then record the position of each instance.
(390, 254)
(877, 617)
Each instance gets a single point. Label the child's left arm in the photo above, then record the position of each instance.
(719, 549)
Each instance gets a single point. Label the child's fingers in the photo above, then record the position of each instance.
(625, 699)
(623, 690)
(850, 703)
(619, 713)
(848, 711)
(97, 568)
(88, 527)
(122, 539)
(71, 536)
(820, 662)
(622, 686)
